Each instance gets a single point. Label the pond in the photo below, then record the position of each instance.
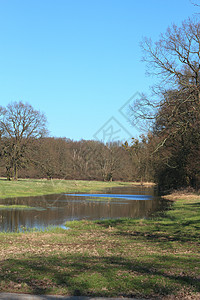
(55, 210)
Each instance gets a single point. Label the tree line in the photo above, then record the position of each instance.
(62, 158)
(27, 151)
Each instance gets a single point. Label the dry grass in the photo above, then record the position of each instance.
(186, 194)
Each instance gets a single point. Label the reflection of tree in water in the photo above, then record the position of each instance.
(57, 209)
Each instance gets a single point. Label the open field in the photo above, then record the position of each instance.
(157, 258)
(36, 187)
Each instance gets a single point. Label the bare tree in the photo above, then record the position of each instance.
(194, 3)
(175, 61)
(20, 123)
(1, 124)
(172, 111)
(175, 57)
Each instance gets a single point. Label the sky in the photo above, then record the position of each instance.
(79, 61)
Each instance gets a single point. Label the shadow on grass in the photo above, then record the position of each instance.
(160, 237)
(172, 230)
(84, 275)
(193, 205)
(113, 222)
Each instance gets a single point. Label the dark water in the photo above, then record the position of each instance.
(55, 210)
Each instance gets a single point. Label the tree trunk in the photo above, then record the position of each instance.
(8, 173)
(15, 172)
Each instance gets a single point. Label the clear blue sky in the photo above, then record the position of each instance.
(79, 61)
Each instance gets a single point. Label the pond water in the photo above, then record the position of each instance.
(55, 210)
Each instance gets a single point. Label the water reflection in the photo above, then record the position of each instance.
(116, 196)
(57, 209)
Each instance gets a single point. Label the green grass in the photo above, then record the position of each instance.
(36, 187)
(154, 258)
(16, 207)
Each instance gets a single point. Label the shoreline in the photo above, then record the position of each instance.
(42, 187)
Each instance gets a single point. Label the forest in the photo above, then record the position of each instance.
(27, 152)
(66, 159)
(167, 152)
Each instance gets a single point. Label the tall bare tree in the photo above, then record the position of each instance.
(173, 109)
(175, 61)
(20, 123)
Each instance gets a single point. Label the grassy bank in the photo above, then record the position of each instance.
(158, 258)
(18, 207)
(36, 187)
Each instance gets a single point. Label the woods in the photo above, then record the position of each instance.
(49, 157)
(28, 152)
(62, 158)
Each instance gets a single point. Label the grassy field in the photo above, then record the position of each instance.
(36, 187)
(22, 207)
(157, 258)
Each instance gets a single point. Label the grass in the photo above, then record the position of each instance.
(156, 259)
(16, 207)
(36, 187)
